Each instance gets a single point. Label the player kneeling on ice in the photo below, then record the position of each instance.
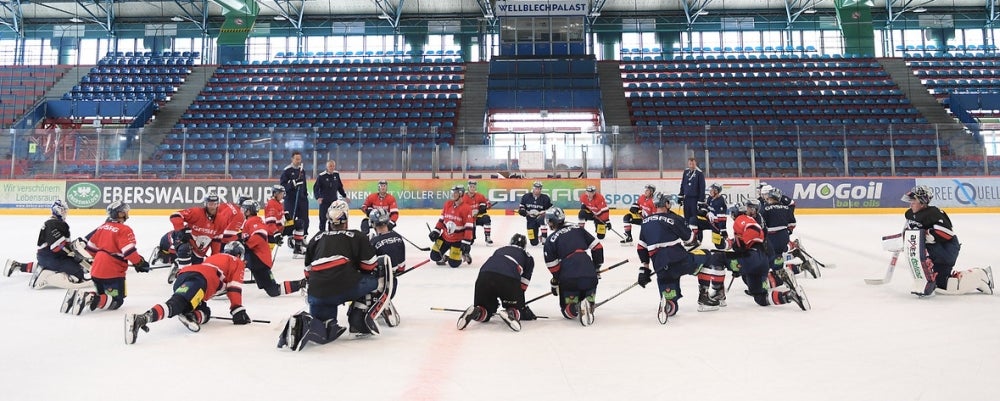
(574, 272)
(766, 286)
(341, 266)
(61, 261)
(452, 235)
(219, 274)
(255, 236)
(389, 243)
(930, 240)
(662, 246)
(504, 276)
(113, 247)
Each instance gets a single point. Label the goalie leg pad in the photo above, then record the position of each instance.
(972, 281)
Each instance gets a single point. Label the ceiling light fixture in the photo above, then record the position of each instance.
(75, 20)
(919, 10)
(176, 19)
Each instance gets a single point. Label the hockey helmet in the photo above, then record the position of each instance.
(661, 199)
(773, 193)
(383, 182)
(651, 188)
(234, 248)
(378, 217)
(555, 216)
(117, 208)
(241, 199)
(751, 205)
(460, 190)
(921, 193)
(715, 187)
(472, 183)
(277, 189)
(763, 189)
(250, 207)
(210, 198)
(59, 209)
(738, 210)
(591, 189)
(337, 214)
(519, 240)
(537, 184)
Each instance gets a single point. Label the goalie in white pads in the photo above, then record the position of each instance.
(942, 248)
(61, 263)
(341, 266)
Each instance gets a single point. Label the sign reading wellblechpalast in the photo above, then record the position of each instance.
(541, 8)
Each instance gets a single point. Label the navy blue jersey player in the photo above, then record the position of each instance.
(501, 283)
(574, 272)
(533, 207)
(661, 249)
(389, 243)
(779, 221)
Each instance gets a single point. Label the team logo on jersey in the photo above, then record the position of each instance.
(83, 195)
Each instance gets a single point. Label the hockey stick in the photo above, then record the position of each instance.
(609, 228)
(463, 310)
(252, 320)
(413, 267)
(598, 272)
(423, 249)
(821, 264)
(888, 272)
(635, 284)
(160, 266)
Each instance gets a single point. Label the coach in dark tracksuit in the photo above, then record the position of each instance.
(325, 190)
(692, 188)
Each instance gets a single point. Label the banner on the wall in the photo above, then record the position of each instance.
(621, 194)
(845, 193)
(540, 8)
(963, 192)
(34, 194)
(161, 194)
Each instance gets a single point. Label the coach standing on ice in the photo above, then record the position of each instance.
(692, 188)
(326, 188)
(293, 178)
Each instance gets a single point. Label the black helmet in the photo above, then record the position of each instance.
(519, 240)
(555, 215)
(234, 248)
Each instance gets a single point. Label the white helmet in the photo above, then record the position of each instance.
(337, 214)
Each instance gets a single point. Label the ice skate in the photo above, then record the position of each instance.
(471, 313)
(82, 300)
(488, 240)
(667, 309)
(67, 302)
(511, 317)
(134, 323)
(11, 266)
(989, 280)
(467, 258)
(190, 321)
(795, 293)
(720, 296)
(586, 313)
(627, 240)
(705, 302)
(173, 272)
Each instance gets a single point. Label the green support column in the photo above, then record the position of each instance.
(235, 30)
(855, 19)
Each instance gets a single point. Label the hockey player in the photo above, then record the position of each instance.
(452, 235)
(274, 216)
(389, 243)
(258, 259)
(221, 273)
(533, 207)
(326, 188)
(692, 189)
(661, 245)
(113, 247)
(594, 207)
(381, 200)
(195, 236)
(574, 272)
(942, 248)
(642, 207)
(764, 188)
(341, 266)
(766, 286)
(504, 276)
(59, 264)
(480, 205)
(716, 215)
(293, 179)
(779, 221)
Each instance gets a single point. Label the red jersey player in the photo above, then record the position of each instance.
(594, 207)
(453, 232)
(113, 247)
(274, 215)
(479, 204)
(382, 200)
(254, 235)
(642, 207)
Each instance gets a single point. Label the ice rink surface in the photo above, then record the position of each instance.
(859, 342)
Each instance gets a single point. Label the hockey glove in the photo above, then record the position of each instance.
(298, 183)
(522, 212)
(183, 235)
(608, 225)
(276, 239)
(239, 314)
(466, 248)
(434, 235)
(482, 208)
(734, 266)
(142, 266)
(680, 200)
(527, 313)
(288, 218)
(645, 276)
(702, 209)
(555, 286)
(392, 225)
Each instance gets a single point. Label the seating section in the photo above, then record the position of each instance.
(947, 73)
(22, 86)
(824, 105)
(131, 76)
(543, 84)
(379, 107)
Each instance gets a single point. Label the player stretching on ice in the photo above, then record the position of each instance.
(661, 245)
(480, 205)
(754, 263)
(532, 208)
(504, 276)
(594, 207)
(59, 264)
(452, 235)
(258, 259)
(574, 272)
(642, 207)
